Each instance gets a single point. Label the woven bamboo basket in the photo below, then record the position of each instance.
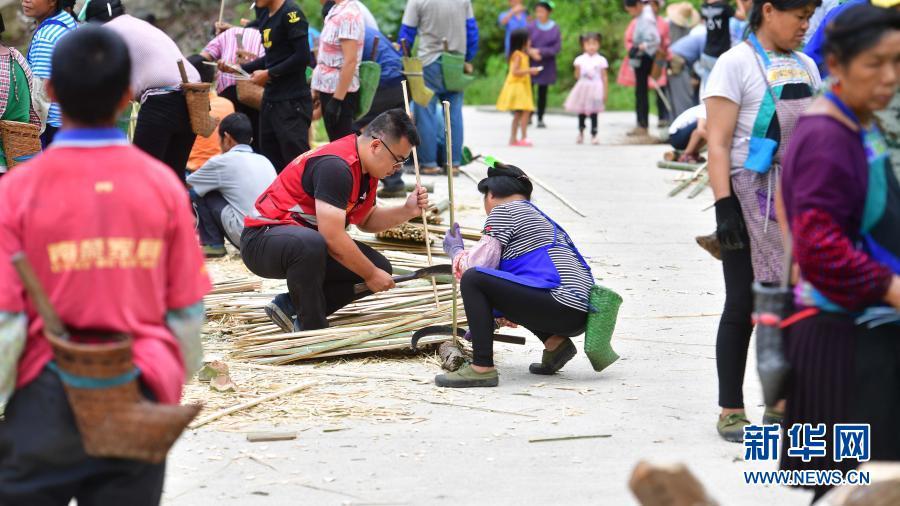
(197, 96)
(250, 94)
(114, 419)
(21, 141)
(601, 324)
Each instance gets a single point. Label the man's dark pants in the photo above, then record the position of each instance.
(42, 460)
(209, 218)
(284, 130)
(318, 284)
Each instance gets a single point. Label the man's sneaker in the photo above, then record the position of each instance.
(392, 193)
(541, 124)
(466, 377)
(281, 311)
(214, 251)
(552, 361)
(731, 427)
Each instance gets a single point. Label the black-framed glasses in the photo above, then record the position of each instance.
(398, 162)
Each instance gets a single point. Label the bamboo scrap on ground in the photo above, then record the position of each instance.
(249, 404)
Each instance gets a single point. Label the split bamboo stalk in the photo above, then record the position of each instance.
(415, 154)
(221, 11)
(448, 140)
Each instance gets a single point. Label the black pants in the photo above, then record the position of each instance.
(533, 308)
(735, 327)
(48, 135)
(641, 90)
(284, 130)
(318, 284)
(231, 94)
(541, 100)
(42, 461)
(342, 124)
(582, 120)
(209, 218)
(663, 111)
(164, 132)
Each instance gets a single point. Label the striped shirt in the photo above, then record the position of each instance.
(225, 47)
(40, 53)
(521, 228)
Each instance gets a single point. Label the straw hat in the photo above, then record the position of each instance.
(683, 14)
(887, 4)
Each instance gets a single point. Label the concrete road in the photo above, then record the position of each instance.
(657, 402)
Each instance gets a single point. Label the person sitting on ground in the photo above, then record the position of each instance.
(219, 107)
(298, 230)
(115, 249)
(688, 134)
(525, 268)
(225, 188)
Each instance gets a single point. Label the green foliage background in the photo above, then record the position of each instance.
(574, 18)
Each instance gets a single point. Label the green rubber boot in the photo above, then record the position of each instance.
(466, 377)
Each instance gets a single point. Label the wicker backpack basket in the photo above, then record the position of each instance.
(21, 141)
(197, 96)
(114, 419)
(250, 94)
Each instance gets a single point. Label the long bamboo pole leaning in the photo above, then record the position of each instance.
(415, 154)
(221, 11)
(448, 140)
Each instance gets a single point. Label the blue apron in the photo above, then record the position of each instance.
(536, 269)
(880, 222)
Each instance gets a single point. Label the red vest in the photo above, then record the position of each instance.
(286, 203)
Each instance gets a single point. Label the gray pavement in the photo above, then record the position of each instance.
(657, 402)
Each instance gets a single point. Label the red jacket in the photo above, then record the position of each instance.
(286, 203)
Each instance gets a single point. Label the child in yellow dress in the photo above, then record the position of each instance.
(516, 93)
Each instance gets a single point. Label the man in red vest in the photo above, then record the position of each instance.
(298, 230)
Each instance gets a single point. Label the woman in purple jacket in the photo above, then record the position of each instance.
(546, 42)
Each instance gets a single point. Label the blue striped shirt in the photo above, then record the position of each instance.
(40, 53)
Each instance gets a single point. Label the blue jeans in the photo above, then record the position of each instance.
(428, 123)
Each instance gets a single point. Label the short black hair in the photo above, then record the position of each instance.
(90, 71)
(756, 17)
(66, 5)
(238, 126)
(857, 29)
(207, 72)
(518, 39)
(393, 125)
(590, 36)
(101, 11)
(504, 180)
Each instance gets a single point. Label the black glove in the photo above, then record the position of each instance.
(730, 227)
(332, 112)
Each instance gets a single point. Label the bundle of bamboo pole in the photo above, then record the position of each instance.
(381, 322)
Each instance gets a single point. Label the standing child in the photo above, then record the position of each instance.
(516, 94)
(588, 97)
